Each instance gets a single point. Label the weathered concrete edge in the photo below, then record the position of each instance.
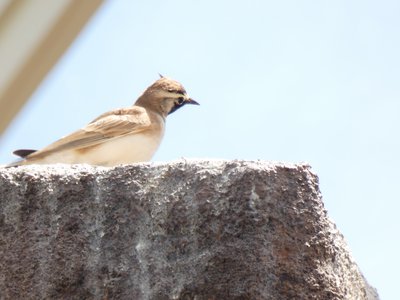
(61, 169)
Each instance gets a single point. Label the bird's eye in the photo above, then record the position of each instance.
(181, 100)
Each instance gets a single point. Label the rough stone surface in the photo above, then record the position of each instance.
(180, 230)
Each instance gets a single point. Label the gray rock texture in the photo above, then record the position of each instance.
(179, 230)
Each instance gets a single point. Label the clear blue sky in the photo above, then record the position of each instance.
(292, 81)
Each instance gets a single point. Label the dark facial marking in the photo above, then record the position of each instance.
(180, 92)
(180, 100)
(177, 105)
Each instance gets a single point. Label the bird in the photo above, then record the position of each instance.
(121, 136)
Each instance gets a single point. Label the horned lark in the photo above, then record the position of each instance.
(121, 136)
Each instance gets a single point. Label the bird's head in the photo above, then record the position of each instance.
(165, 96)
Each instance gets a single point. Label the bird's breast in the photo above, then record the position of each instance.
(130, 148)
(125, 150)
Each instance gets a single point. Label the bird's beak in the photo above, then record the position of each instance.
(191, 101)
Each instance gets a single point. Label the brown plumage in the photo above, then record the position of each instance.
(121, 136)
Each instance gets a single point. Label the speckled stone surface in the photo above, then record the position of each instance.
(178, 230)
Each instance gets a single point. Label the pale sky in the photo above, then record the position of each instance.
(289, 81)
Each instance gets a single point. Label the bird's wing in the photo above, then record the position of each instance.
(109, 125)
